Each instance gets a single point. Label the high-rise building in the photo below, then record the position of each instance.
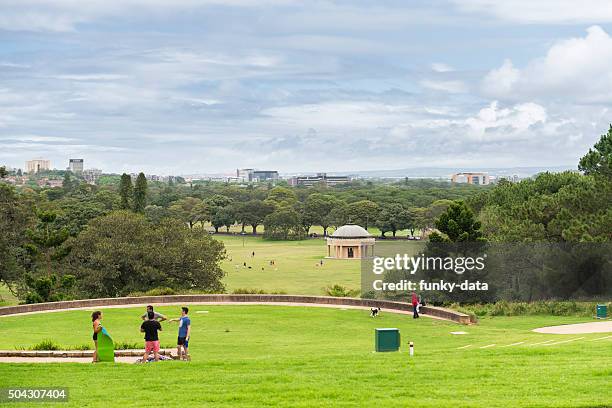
(243, 175)
(75, 165)
(37, 165)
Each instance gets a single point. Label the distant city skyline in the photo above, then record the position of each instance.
(188, 87)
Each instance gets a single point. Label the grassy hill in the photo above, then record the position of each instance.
(261, 356)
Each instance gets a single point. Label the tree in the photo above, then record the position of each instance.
(253, 213)
(15, 218)
(317, 209)
(363, 212)
(67, 183)
(393, 217)
(47, 237)
(434, 210)
(125, 191)
(48, 288)
(74, 213)
(284, 224)
(109, 199)
(191, 210)
(155, 213)
(140, 194)
(417, 219)
(599, 159)
(281, 197)
(3, 172)
(338, 216)
(122, 253)
(222, 217)
(218, 201)
(459, 224)
(221, 213)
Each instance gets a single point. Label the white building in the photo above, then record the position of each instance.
(37, 165)
(480, 179)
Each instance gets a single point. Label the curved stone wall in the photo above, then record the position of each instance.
(438, 312)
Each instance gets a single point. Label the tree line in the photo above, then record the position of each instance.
(131, 235)
(85, 240)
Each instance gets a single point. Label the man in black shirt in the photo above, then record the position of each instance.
(150, 327)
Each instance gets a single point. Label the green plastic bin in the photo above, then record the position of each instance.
(602, 311)
(387, 339)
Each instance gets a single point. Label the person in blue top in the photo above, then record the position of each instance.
(184, 333)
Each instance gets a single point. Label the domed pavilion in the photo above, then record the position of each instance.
(350, 242)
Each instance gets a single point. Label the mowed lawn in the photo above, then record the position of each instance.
(296, 269)
(254, 356)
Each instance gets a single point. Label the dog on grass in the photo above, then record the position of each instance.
(374, 311)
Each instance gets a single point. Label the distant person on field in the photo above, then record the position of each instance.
(184, 333)
(150, 327)
(158, 316)
(415, 303)
(96, 319)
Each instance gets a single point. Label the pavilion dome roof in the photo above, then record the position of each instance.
(351, 231)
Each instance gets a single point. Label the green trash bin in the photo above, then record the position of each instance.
(387, 339)
(602, 311)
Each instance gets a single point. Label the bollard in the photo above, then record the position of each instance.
(411, 349)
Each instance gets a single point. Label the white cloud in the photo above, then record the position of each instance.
(36, 138)
(452, 86)
(511, 121)
(500, 81)
(91, 77)
(440, 67)
(577, 68)
(65, 15)
(541, 11)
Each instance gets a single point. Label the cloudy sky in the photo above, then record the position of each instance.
(193, 86)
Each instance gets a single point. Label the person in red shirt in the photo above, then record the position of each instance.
(415, 302)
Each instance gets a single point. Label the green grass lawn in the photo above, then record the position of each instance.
(296, 270)
(256, 356)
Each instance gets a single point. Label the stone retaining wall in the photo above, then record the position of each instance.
(74, 353)
(187, 299)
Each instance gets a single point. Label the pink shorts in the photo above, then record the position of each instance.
(151, 346)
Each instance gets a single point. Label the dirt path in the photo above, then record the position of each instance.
(581, 328)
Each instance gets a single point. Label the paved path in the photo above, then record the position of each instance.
(61, 360)
(143, 305)
(581, 328)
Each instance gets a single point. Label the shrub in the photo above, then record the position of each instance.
(249, 291)
(161, 291)
(550, 308)
(340, 291)
(45, 345)
(124, 345)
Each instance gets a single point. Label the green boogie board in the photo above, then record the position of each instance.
(106, 347)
